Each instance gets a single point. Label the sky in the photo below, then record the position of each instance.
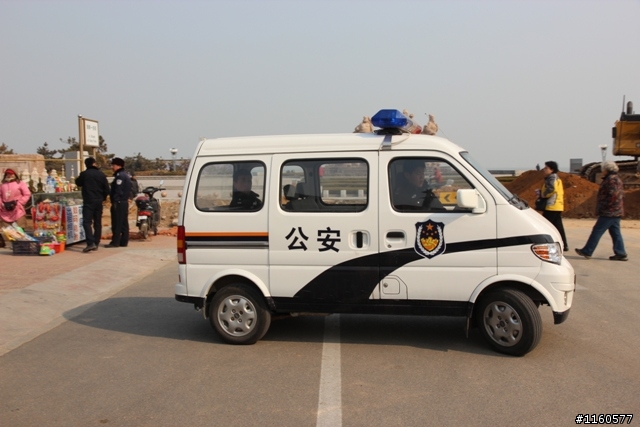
(515, 82)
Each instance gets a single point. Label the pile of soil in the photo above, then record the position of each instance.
(580, 195)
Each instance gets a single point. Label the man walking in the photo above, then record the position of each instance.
(609, 209)
(95, 189)
(120, 191)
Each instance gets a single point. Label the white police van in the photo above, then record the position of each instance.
(321, 223)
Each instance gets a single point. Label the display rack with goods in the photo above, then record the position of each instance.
(58, 213)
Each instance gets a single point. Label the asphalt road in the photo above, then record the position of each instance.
(140, 358)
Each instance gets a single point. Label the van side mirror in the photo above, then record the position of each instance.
(471, 199)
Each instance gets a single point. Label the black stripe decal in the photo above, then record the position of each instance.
(353, 281)
(228, 242)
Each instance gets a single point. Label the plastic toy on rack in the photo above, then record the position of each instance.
(47, 216)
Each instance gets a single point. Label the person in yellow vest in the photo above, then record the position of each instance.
(553, 191)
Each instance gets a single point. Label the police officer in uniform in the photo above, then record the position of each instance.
(120, 191)
(243, 198)
(412, 193)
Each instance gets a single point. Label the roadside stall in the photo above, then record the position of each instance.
(57, 222)
(58, 214)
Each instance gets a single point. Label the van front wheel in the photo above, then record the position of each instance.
(238, 314)
(510, 321)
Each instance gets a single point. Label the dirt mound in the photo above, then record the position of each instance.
(173, 231)
(169, 211)
(166, 227)
(579, 194)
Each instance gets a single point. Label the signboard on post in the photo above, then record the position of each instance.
(90, 135)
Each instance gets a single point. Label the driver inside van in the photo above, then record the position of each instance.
(243, 197)
(411, 191)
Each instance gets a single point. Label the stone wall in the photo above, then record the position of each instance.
(21, 163)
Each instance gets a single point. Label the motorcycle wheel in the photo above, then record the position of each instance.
(144, 230)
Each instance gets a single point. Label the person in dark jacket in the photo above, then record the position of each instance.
(120, 191)
(135, 187)
(411, 192)
(95, 189)
(609, 208)
(243, 198)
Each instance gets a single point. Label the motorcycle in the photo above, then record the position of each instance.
(148, 211)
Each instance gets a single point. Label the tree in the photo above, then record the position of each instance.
(48, 154)
(102, 156)
(160, 164)
(183, 166)
(73, 145)
(138, 163)
(99, 152)
(4, 149)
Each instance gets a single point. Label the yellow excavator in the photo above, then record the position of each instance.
(626, 142)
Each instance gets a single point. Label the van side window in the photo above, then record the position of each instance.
(424, 184)
(324, 185)
(231, 187)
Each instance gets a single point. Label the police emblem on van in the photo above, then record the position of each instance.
(429, 238)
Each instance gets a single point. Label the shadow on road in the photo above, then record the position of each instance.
(166, 318)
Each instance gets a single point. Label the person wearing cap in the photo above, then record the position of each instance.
(609, 209)
(411, 192)
(95, 189)
(120, 191)
(14, 195)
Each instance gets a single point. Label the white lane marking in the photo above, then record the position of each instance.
(330, 396)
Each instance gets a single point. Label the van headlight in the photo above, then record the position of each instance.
(549, 252)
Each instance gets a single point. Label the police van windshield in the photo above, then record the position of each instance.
(510, 197)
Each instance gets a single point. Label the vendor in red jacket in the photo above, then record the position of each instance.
(14, 195)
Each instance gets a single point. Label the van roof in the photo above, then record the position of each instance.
(321, 143)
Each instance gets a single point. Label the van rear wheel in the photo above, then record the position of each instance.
(238, 314)
(509, 321)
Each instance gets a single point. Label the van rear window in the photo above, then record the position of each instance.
(231, 187)
(324, 185)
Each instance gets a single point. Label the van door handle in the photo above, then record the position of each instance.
(395, 235)
(359, 239)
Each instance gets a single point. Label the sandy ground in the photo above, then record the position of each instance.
(588, 223)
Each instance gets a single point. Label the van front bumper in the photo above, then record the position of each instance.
(560, 317)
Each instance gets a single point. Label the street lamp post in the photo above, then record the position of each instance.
(173, 152)
(603, 151)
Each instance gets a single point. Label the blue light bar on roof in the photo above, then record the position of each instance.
(389, 119)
